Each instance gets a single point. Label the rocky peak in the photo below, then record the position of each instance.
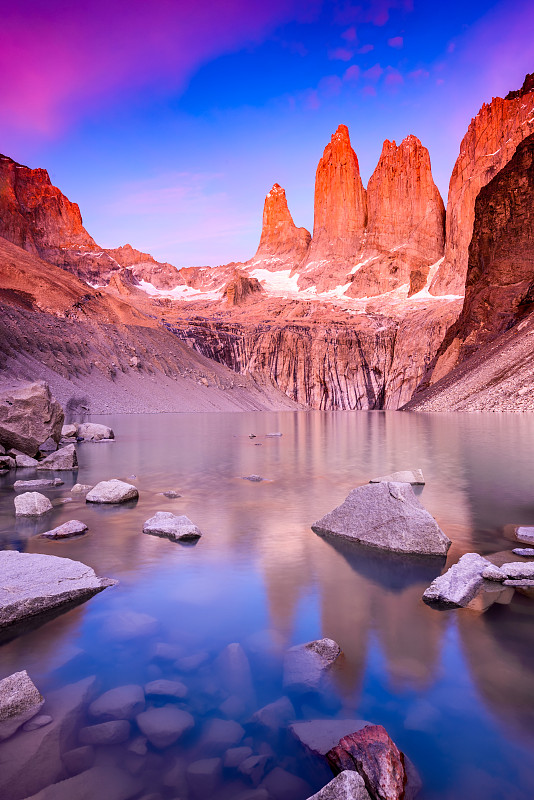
(340, 206)
(490, 142)
(282, 244)
(144, 267)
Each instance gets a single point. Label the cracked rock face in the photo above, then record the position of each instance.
(34, 584)
(28, 416)
(388, 516)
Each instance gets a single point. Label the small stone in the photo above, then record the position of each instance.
(166, 688)
(221, 734)
(32, 504)
(171, 526)
(113, 491)
(69, 431)
(81, 488)
(113, 732)
(66, 531)
(171, 494)
(122, 702)
(253, 478)
(164, 726)
(37, 722)
(63, 459)
(38, 483)
(306, 665)
(526, 552)
(79, 759)
(6, 462)
(20, 700)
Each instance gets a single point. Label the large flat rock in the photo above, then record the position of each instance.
(34, 584)
(460, 584)
(388, 516)
(112, 491)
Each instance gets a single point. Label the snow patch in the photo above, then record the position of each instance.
(180, 292)
(281, 281)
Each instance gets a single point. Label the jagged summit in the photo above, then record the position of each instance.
(282, 244)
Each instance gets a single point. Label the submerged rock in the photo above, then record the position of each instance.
(166, 688)
(411, 476)
(98, 782)
(232, 669)
(32, 504)
(63, 459)
(66, 531)
(318, 736)
(34, 584)
(204, 776)
(113, 491)
(7, 462)
(459, 585)
(171, 526)
(28, 416)
(164, 726)
(20, 700)
(376, 758)
(306, 665)
(348, 785)
(171, 494)
(106, 733)
(274, 716)
(388, 516)
(94, 432)
(38, 483)
(122, 702)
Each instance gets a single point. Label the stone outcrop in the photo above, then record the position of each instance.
(241, 288)
(406, 222)
(37, 217)
(499, 291)
(282, 244)
(490, 142)
(340, 209)
(459, 585)
(28, 416)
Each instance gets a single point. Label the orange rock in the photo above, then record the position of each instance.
(282, 244)
(240, 288)
(488, 145)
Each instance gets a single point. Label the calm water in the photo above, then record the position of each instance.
(455, 689)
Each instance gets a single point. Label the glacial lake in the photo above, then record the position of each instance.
(454, 689)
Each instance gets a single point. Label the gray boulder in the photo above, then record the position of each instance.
(525, 534)
(348, 785)
(81, 488)
(20, 700)
(38, 483)
(69, 431)
(388, 516)
(411, 476)
(66, 531)
(113, 491)
(171, 526)
(164, 726)
(306, 665)
(28, 416)
(459, 585)
(32, 504)
(26, 462)
(92, 431)
(33, 584)
(63, 459)
(122, 702)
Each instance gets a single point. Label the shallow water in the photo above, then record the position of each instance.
(455, 689)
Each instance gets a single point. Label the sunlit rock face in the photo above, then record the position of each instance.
(340, 209)
(282, 244)
(36, 216)
(490, 142)
(143, 267)
(406, 222)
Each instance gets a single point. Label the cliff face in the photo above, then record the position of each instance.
(340, 209)
(240, 288)
(36, 216)
(488, 145)
(500, 276)
(282, 244)
(145, 268)
(406, 222)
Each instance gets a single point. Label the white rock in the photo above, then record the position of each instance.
(459, 585)
(412, 476)
(22, 460)
(526, 552)
(66, 531)
(306, 664)
(348, 785)
(493, 573)
(33, 584)
(81, 488)
(113, 491)
(518, 570)
(94, 432)
(164, 726)
(20, 700)
(173, 527)
(69, 431)
(63, 459)
(388, 516)
(32, 504)
(525, 534)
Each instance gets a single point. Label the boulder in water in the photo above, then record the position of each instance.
(113, 491)
(20, 700)
(28, 416)
(32, 504)
(63, 459)
(171, 526)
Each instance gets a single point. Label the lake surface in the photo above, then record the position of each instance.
(455, 689)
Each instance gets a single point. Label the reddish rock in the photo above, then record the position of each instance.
(372, 753)
(488, 145)
(406, 221)
(282, 244)
(37, 217)
(240, 288)
(143, 267)
(340, 207)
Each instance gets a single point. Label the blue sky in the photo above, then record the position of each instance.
(169, 129)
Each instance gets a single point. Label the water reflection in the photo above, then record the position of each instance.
(260, 576)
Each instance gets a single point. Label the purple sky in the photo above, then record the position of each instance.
(168, 122)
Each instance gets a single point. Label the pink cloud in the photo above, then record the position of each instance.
(352, 73)
(340, 54)
(393, 77)
(374, 11)
(374, 73)
(350, 34)
(59, 60)
(369, 91)
(366, 49)
(419, 74)
(396, 41)
(330, 86)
